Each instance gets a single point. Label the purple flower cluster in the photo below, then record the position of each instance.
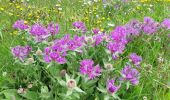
(39, 32)
(111, 86)
(80, 25)
(136, 60)
(119, 41)
(130, 74)
(58, 51)
(21, 52)
(98, 38)
(166, 23)
(53, 28)
(134, 27)
(19, 24)
(150, 26)
(87, 68)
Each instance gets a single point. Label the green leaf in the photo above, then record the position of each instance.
(102, 90)
(67, 77)
(10, 94)
(30, 95)
(69, 92)
(79, 90)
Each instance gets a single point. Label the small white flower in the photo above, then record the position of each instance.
(4, 74)
(111, 25)
(60, 9)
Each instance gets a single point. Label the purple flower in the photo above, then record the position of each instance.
(136, 60)
(80, 25)
(134, 27)
(39, 32)
(21, 52)
(19, 24)
(58, 51)
(98, 38)
(115, 47)
(87, 68)
(150, 26)
(119, 35)
(148, 20)
(111, 86)
(53, 28)
(130, 74)
(166, 23)
(96, 31)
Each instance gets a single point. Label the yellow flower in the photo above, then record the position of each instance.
(21, 8)
(18, 7)
(30, 14)
(15, 33)
(25, 22)
(137, 7)
(37, 17)
(108, 18)
(98, 22)
(1, 9)
(102, 29)
(103, 18)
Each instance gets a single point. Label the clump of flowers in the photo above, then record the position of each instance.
(70, 52)
(136, 60)
(119, 41)
(21, 52)
(58, 51)
(130, 74)
(20, 24)
(87, 68)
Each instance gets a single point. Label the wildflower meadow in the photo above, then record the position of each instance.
(85, 49)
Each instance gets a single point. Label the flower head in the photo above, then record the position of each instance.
(87, 68)
(53, 28)
(134, 27)
(150, 26)
(111, 86)
(166, 23)
(21, 52)
(80, 25)
(118, 35)
(19, 24)
(136, 60)
(96, 30)
(130, 74)
(39, 32)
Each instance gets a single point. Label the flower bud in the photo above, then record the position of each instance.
(109, 66)
(63, 73)
(30, 60)
(71, 83)
(89, 40)
(29, 85)
(38, 52)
